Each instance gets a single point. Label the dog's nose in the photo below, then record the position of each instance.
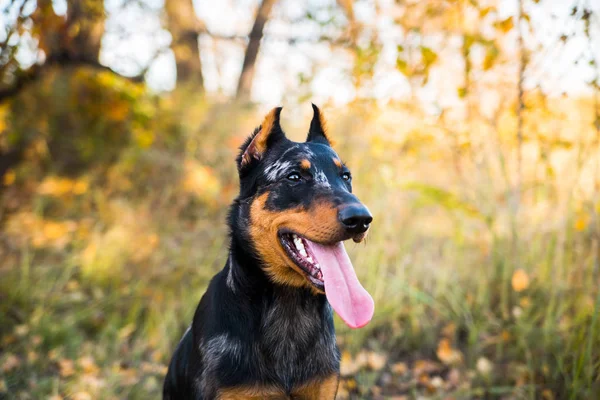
(356, 218)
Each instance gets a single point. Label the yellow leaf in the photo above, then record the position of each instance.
(66, 368)
(525, 302)
(520, 280)
(376, 361)
(88, 365)
(347, 364)
(399, 368)
(505, 25)
(80, 187)
(447, 354)
(581, 223)
(9, 177)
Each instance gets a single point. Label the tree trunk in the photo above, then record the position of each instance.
(256, 34)
(85, 28)
(77, 38)
(185, 27)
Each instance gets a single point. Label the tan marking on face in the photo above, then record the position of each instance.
(320, 389)
(257, 147)
(337, 162)
(323, 123)
(319, 223)
(305, 164)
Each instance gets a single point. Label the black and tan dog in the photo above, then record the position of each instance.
(264, 328)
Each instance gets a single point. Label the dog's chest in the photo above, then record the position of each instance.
(291, 344)
(297, 342)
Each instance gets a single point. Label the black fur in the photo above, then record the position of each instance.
(248, 331)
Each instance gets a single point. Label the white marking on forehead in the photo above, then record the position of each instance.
(273, 171)
(308, 152)
(288, 150)
(321, 179)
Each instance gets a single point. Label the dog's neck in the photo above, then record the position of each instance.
(246, 277)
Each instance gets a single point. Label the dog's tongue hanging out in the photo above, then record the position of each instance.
(343, 290)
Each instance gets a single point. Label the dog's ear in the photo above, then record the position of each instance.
(318, 128)
(268, 133)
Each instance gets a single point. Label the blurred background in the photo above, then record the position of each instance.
(472, 128)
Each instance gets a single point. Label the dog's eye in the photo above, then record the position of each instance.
(346, 176)
(294, 177)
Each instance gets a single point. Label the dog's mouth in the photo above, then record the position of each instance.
(328, 268)
(299, 252)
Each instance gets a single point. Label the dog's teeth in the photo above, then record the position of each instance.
(299, 244)
(309, 259)
(303, 252)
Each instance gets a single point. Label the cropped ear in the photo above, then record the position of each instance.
(263, 137)
(318, 128)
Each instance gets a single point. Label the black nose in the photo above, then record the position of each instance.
(355, 218)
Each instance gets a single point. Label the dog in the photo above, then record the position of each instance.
(264, 328)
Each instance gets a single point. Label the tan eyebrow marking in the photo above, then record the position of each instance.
(305, 164)
(337, 162)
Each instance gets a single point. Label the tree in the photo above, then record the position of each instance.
(247, 75)
(185, 27)
(74, 40)
(85, 28)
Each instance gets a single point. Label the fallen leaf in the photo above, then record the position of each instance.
(376, 361)
(88, 365)
(547, 394)
(484, 366)
(447, 354)
(21, 330)
(66, 367)
(347, 365)
(10, 362)
(520, 280)
(437, 382)
(426, 367)
(399, 368)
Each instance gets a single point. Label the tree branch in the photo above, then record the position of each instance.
(32, 74)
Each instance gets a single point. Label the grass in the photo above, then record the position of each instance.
(101, 273)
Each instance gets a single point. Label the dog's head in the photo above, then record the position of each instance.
(300, 208)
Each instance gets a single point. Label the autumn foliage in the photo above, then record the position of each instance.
(483, 260)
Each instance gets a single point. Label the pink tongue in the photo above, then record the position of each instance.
(343, 290)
